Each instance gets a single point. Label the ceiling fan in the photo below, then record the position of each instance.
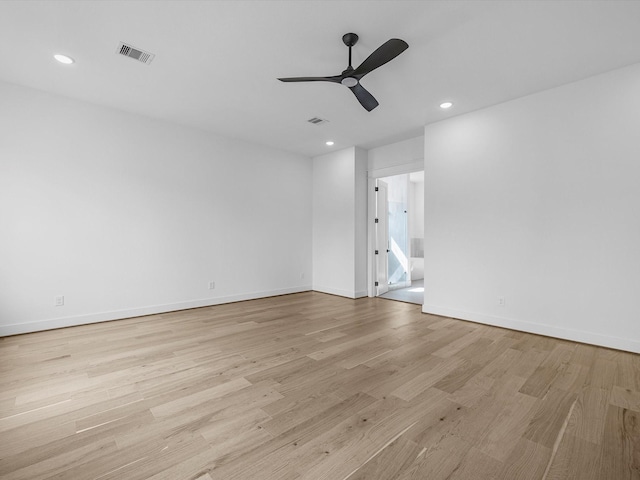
(351, 76)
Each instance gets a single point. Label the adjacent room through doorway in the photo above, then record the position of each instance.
(399, 239)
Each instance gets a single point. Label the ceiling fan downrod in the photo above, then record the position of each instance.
(350, 39)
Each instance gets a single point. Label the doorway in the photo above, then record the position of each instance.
(399, 237)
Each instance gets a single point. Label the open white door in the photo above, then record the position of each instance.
(382, 238)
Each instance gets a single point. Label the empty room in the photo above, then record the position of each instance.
(305, 240)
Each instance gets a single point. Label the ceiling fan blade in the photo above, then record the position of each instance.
(385, 53)
(334, 79)
(364, 97)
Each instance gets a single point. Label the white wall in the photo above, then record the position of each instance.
(360, 222)
(416, 209)
(124, 215)
(339, 222)
(416, 225)
(394, 158)
(537, 200)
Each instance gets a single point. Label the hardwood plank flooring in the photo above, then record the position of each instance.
(313, 386)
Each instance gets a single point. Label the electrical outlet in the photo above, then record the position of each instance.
(59, 301)
(501, 301)
(302, 276)
(212, 285)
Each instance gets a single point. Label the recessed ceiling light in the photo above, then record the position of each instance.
(329, 143)
(446, 105)
(63, 59)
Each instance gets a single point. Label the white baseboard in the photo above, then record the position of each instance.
(40, 325)
(581, 336)
(339, 292)
(524, 326)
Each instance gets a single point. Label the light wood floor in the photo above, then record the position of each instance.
(312, 386)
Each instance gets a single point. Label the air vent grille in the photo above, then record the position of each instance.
(135, 53)
(317, 121)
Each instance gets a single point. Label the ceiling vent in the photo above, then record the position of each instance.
(317, 121)
(135, 53)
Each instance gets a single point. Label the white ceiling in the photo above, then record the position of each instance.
(217, 61)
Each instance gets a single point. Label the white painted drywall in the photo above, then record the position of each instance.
(339, 216)
(537, 200)
(125, 215)
(416, 209)
(416, 225)
(396, 158)
(360, 219)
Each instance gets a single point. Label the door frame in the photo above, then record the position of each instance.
(382, 258)
(372, 175)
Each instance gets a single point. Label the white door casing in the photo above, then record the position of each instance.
(382, 238)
